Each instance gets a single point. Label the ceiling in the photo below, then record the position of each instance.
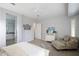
(35, 10)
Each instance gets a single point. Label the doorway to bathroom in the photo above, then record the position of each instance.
(10, 29)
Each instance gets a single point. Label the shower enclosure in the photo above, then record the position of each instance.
(10, 29)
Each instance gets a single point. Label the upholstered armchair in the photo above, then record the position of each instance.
(72, 43)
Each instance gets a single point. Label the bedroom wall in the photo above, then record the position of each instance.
(2, 28)
(20, 21)
(28, 35)
(18, 24)
(61, 24)
(77, 26)
(73, 26)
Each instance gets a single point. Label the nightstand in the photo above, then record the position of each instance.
(50, 37)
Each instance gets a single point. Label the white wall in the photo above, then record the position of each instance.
(38, 31)
(61, 24)
(19, 28)
(20, 33)
(27, 20)
(73, 26)
(2, 28)
(18, 24)
(77, 26)
(73, 9)
(28, 35)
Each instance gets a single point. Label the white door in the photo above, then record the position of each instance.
(38, 31)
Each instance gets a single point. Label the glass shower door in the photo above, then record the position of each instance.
(10, 29)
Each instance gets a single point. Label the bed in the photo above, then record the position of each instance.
(24, 49)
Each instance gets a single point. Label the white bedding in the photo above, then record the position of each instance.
(25, 49)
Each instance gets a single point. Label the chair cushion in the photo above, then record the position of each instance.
(58, 44)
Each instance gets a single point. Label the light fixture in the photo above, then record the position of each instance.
(13, 4)
(38, 15)
(37, 12)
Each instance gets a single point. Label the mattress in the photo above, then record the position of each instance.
(3, 53)
(25, 49)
